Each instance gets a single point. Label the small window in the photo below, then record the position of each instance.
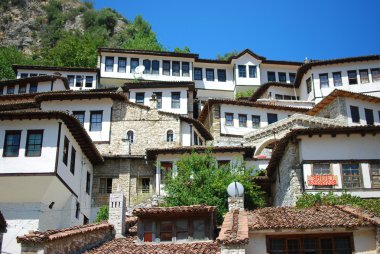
(176, 68)
(34, 143)
(1, 90)
(33, 75)
(77, 210)
(155, 67)
(10, 89)
(85, 220)
(159, 99)
(185, 69)
(324, 80)
(308, 85)
(65, 153)
(12, 143)
(89, 80)
(198, 74)
(242, 71)
(278, 96)
(337, 78)
(105, 185)
(96, 118)
(292, 77)
(182, 230)
(352, 77)
(33, 88)
(170, 136)
(375, 74)
(147, 65)
(166, 234)
(355, 114)
(148, 229)
(229, 119)
(140, 98)
(252, 71)
(196, 139)
(71, 80)
(79, 115)
(369, 116)
(272, 118)
(210, 74)
(176, 99)
(255, 121)
(122, 65)
(321, 169)
(199, 230)
(242, 120)
(130, 136)
(166, 169)
(282, 77)
(287, 97)
(271, 76)
(79, 81)
(144, 185)
(375, 174)
(134, 63)
(221, 75)
(109, 63)
(24, 75)
(166, 67)
(88, 183)
(72, 160)
(351, 175)
(21, 89)
(364, 76)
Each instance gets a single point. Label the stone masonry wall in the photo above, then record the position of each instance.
(335, 110)
(212, 122)
(233, 249)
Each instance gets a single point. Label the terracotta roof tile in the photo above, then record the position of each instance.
(234, 229)
(54, 68)
(79, 95)
(3, 224)
(175, 210)
(264, 87)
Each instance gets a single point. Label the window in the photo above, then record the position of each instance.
(364, 77)
(196, 139)
(324, 80)
(352, 77)
(278, 96)
(292, 77)
(198, 74)
(337, 78)
(375, 174)
(130, 136)
(242, 120)
(271, 76)
(229, 119)
(79, 81)
(65, 150)
(185, 69)
(89, 80)
(10, 89)
(375, 74)
(272, 118)
(85, 220)
(11, 143)
(147, 65)
(351, 175)
(1, 90)
(321, 169)
(242, 71)
(71, 79)
(122, 65)
(79, 115)
(255, 121)
(288, 97)
(33, 75)
(252, 70)
(308, 85)
(77, 210)
(170, 136)
(105, 185)
(182, 230)
(199, 229)
(155, 67)
(140, 98)
(282, 77)
(210, 74)
(159, 99)
(176, 96)
(148, 236)
(369, 116)
(166, 168)
(355, 114)
(134, 63)
(24, 75)
(166, 67)
(221, 75)
(176, 68)
(22, 89)
(88, 183)
(72, 160)
(166, 232)
(34, 143)
(144, 185)
(96, 118)
(109, 63)
(33, 88)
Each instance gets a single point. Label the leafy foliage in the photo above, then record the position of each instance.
(102, 214)
(227, 55)
(199, 180)
(9, 56)
(186, 49)
(245, 94)
(309, 200)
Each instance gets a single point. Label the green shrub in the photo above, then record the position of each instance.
(102, 214)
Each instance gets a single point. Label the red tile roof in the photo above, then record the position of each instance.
(173, 211)
(3, 224)
(264, 87)
(15, 67)
(234, 229)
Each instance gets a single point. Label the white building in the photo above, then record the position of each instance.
(46, 172)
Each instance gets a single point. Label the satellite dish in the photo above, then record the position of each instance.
(140, 69)
(235, 189)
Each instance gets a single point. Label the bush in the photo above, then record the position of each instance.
(102, 214)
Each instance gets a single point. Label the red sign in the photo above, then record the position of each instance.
(324, 180)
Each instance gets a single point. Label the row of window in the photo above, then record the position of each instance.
(252, 71)
(26, 75)
(286, 97)
(169, 136)
(33, 145)
(243, 119)
(175, 99)
(210, 74)
(96, 119)
(77, 81)
(281, 77)
(33, 87)
(105, 185)
(369, 115)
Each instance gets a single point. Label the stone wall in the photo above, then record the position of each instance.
(212, 122)
(335, 110)
(233, 249)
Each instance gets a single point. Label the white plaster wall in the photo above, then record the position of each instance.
(41, 87)
(166, 98)
(187, 135)
(273, 90)
(365, 241)
(257, 244)
(247, 59)
(276, 68)
(362, 105)
(104, 105)
(205, 94)
(215, 85)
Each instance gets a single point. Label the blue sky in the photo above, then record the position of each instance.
(276, 29)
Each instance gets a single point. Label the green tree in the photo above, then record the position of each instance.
(227, 55)
(102, 214)
(199, 180)
(9, 56)
(245, 94)
(186, 49)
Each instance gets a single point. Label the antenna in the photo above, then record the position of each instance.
(139, 70)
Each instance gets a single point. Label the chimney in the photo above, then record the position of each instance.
(116, 215)
(236, 196)
(153, 101)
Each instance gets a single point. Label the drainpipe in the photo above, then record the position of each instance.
(312, 82)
